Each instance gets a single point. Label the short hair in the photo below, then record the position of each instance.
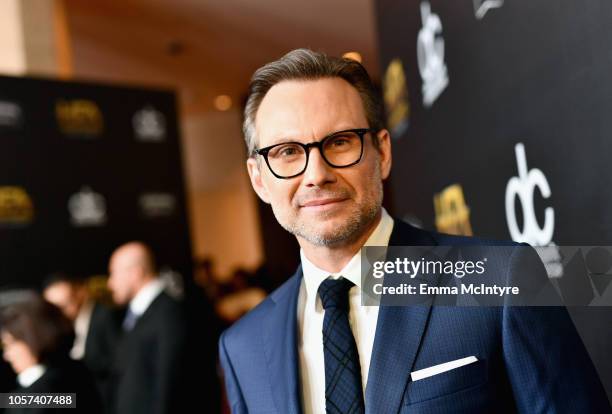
(41, 325)
(61, 277)
(305, 64)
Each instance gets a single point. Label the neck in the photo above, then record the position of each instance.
(333, 258)
(143, 283)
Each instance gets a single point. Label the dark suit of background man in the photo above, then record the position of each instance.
(148, 368)
(310, 347)
(95, 325)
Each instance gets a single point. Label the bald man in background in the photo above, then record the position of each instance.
(148, 366)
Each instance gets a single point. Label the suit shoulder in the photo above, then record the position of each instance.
(167, 309)
(412, 235)
(449, 239)
(452, 240)
(250, 324)
(167, 302)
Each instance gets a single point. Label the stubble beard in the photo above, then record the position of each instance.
(349, 231)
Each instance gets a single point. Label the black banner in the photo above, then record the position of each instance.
(500, 114)
(84, 168)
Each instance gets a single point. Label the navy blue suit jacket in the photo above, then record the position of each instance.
(530, 360)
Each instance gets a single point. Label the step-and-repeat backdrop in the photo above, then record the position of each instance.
(500, 114)
(84, 168)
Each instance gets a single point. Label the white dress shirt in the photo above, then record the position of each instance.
(145, 296)
(81, 329)
(30, 375)
(310, 314)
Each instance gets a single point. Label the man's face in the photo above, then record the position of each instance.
(64, 296)
(17, 353)
(324, 206)
(124, 276)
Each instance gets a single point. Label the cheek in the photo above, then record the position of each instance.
(7, 354)
(18, 353)
(281, 192)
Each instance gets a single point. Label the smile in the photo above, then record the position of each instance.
(322, 203)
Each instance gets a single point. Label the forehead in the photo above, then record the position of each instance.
(58, 289)
(307, 109)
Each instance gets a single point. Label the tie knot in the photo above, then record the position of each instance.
(334, 293)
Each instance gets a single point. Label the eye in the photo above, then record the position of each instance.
(340, 141)
(286, 151)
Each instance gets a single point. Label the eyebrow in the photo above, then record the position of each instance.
(284, 140)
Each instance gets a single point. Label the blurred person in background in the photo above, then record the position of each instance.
(36, 341)
(205, 278)
(96, 327)
(148, 371)
(239, 295)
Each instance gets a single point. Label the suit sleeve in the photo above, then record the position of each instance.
(547, 363)
(101, 341)
(171, 346)
(232, 387)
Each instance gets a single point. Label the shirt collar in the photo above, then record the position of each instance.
(314, 276)
(145, 296)
(30, 375)
(82, 320)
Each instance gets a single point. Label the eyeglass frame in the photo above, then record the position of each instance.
(316, 144)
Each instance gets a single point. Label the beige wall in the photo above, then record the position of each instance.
(224, 219)
(222, 229)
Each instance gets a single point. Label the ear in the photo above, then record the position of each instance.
(384, 148)
(256, 180)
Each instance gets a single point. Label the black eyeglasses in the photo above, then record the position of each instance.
(340, 150)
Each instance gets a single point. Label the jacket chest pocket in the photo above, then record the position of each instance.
(445, 383)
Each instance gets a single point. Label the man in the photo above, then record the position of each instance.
(148, 365)
(318, 155)
(95, 325)
(36, 340)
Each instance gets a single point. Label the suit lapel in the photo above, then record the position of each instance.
(280, 340)
(398, 335)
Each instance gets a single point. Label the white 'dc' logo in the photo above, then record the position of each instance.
(430, 55)
(523, 187)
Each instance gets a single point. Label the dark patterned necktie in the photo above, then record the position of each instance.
(343, 391)
(129, 321)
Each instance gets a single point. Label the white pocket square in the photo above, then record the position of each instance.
(440, 368)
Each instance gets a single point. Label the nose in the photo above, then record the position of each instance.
(318, 172)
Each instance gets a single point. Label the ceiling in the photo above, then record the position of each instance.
(204, 48)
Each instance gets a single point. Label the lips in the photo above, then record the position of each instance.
(322, 202)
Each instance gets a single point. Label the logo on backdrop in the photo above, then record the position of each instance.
(523, 187)
(87, 208)
(154, 205)
(481, 7)
(79, 118)
(452, 214)
(430, 55)
(11, 115)
(395, 93)
(16, 207)
(149, 125)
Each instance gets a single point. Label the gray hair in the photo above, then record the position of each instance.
(304, 64)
